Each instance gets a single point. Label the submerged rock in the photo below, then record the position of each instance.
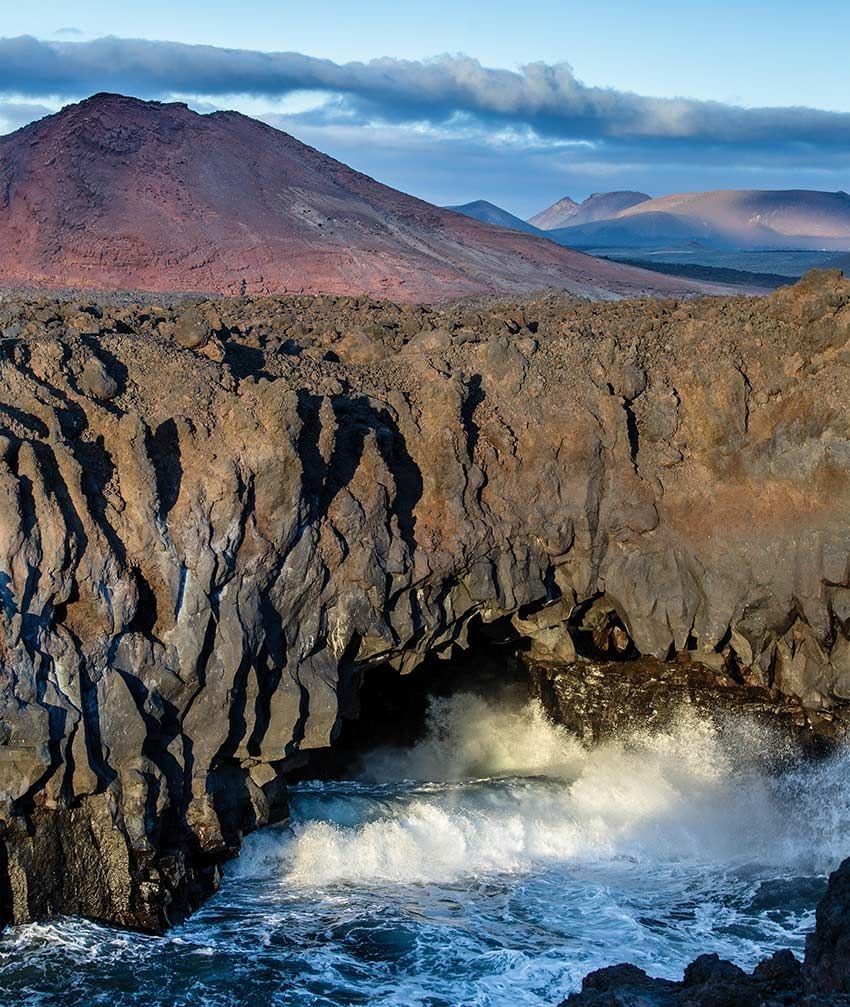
(197, 570)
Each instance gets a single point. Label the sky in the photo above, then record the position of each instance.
(518, 103)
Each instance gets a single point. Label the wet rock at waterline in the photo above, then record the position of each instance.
(709, 981)
(822, 980)
(827, 965)
(598, 699)
(208, 539)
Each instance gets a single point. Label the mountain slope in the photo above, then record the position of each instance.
(649, 230)
(599, 206)
(754, 214)
(489, 213)
(117, 193)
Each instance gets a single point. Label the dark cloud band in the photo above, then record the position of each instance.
(547, 99)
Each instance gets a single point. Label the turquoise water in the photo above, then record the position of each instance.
(494, 863)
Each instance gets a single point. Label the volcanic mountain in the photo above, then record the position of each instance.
(117, 193)
(489, 213)
(559, 214)
(600, 206)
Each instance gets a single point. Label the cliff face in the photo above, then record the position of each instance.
(215, 516)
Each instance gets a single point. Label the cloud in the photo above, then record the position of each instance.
(68, 32)
(453, 165)
(450, 129)
(547, 99)
(18, 113)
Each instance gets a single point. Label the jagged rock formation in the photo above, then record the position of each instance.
(215, 516)
(115, 194)
(601, 699)
(822, 980)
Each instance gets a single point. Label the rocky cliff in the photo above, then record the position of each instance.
(215, 516)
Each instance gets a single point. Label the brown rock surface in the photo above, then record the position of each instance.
(116, 193)
(196, 571)
(597, 700)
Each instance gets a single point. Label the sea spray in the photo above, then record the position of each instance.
(469, 736)
(532, 795)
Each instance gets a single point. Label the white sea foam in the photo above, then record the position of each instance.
(684, 796)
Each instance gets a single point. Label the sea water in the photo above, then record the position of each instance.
(495, 862)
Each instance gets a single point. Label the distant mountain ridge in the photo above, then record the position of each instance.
(599, 206)
(117, 193)
(733, 219)
(489, 213)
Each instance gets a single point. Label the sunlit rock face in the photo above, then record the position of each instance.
(215, 516)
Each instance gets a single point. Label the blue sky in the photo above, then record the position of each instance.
(451, 131)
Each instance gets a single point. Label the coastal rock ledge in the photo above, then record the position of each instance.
(215, 517)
